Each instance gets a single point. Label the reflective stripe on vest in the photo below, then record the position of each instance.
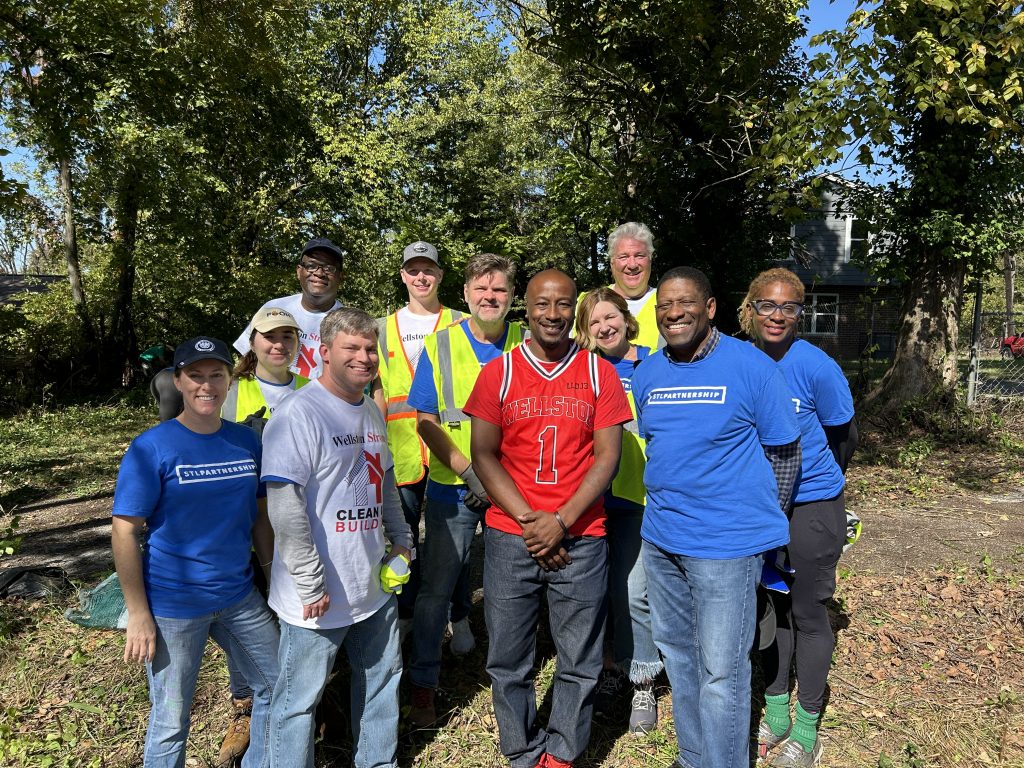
(396, 374)
(628, 482)
(456, 368)
(245, 397)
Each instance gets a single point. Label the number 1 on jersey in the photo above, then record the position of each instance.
(546, 472)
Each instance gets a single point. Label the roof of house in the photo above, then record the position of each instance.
(13, 286)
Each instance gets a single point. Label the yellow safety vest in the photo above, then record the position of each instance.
(396, 372)
(456, 369)
(245, 397)
(628, 482)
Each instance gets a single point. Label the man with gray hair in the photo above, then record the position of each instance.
(342, 548)
(630, 252)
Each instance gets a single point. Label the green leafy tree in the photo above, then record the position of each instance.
(932, 89)
(659, 98)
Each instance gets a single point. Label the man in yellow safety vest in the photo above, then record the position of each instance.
(630, 252)
(456, 501)
(400, 341)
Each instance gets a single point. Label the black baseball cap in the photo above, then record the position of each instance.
(201, 348)
(322, 244)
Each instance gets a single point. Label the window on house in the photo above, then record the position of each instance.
(857, 239)
(821, 314)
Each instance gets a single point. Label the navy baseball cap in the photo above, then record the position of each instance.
(201, 348)
(322, 244)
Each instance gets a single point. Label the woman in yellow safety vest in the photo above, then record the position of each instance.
(605, 325)
(260, 381)
(263, 378)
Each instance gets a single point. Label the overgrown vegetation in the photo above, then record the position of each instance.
(67, 453)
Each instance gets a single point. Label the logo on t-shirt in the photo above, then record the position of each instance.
(367, 473)
(306, 362)
(687, 396)
(210, 473)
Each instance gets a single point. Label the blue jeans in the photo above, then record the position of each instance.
(411, 497)
(307, 656)
(444, 563)
(513, 587)
(704, 612)
(248, 633)
(629, 613)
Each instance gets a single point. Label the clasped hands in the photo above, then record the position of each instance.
(543, 535)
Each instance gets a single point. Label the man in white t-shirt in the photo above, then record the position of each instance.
(401, 342)
(335, 511)
(319, 272)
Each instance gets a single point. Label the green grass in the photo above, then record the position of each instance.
(66, 453)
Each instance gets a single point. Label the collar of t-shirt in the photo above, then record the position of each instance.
(706, 347)
(635, 305)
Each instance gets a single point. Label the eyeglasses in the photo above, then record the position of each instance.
(767, 308)
(315, 266)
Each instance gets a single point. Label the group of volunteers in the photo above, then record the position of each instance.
(629, 465)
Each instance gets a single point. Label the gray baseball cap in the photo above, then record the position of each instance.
(419, 250)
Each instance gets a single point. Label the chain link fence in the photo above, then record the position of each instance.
(997, 357)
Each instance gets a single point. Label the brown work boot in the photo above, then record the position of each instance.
(422, 712)
(236, 740)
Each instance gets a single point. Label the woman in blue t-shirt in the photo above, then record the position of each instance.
(193, 482)
(770, 314)
(605, 325)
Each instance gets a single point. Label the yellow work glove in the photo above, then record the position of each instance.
(394, 573)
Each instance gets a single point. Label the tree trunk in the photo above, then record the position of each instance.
(71, 254)
(925, 360)
(1009, 275)
(123, 344)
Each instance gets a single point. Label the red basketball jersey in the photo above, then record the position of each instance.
(548, 413)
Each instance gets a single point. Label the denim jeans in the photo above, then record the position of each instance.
(307, 656)
(248, 632)
(703, 616)
(513, 587)
(444, 561)
(411, 497)
(629, 613)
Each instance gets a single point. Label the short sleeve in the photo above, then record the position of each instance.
(139, 481)
(483, 401)
(774, 415)
(287, 448)
(612, 407)
(423, 392)
(832, 399)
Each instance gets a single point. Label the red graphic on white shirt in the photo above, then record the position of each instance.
(306, 362)
(375, 473)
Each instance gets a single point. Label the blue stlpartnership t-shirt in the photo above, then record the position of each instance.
(198, 495)
(423, 396)
(821, 397)
(711, 491)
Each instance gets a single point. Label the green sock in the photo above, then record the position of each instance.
(776, 713)
(805, 729)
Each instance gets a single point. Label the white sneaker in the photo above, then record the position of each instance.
(463, 641)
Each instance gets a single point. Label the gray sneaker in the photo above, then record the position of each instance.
(767, 740)
(793, 755)
(644, 715)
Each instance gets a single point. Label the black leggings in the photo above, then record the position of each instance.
(817, 531)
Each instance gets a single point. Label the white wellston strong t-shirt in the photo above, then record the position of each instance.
(413, 330)
(339, 453)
